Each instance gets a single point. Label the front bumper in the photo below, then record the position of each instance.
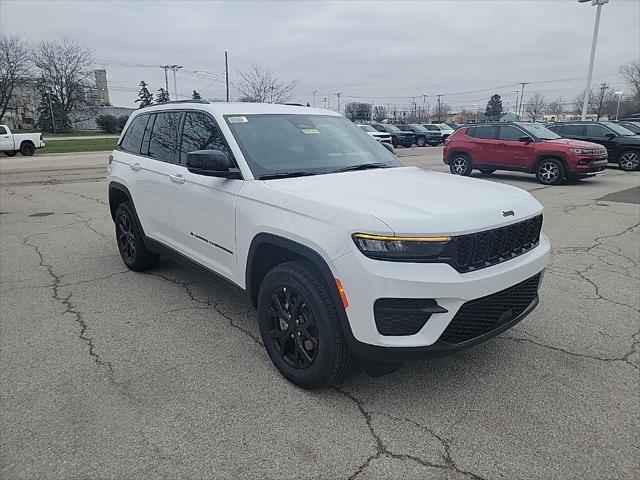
(366, 280)
(591, 167)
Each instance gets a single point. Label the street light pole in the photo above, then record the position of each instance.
(226, 73)
(619, 94)
(175, 68)
(522, 98)
(592, 57)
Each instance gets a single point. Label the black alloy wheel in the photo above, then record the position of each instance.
(292, 328)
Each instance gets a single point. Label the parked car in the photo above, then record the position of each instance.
(623, 146)
(25, 143)
(522, 147)
(631, 126)
(423, 136)
(441, 129)
(398, 137)
(343, 251)
(379, 136)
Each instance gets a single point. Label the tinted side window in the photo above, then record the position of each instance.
(201, 132)
(510, 133)
(573, 130)
(431, 127)
(164, 136)
(3, 131)
(133, 138)
(488, 132)
(596, 131)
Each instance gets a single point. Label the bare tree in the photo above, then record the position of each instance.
(65, 67)
(631, 75)
(260, 85)
(379, 113)
(440, 110)
(555, 108)
(592, 107)
(15, 66)
(535, 106)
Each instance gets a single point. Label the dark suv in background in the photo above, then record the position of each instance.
(423, 136)
(398, 137)
(623, 146)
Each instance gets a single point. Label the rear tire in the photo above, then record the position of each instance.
(300, 327)
(421, 142)
(11, 153)
(460, 164)
(131, 245)
(487, 171)
(629, 160)
(550, 171)
(27, 149)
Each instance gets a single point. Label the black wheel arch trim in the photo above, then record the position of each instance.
(316, 259)
(555, 156)
(120, 187)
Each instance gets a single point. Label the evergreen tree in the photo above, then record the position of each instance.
(196, 96)
(162, 96)
(494, 107)
(145, 97)
(50, 112)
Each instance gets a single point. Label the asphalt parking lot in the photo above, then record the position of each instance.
(107, 373)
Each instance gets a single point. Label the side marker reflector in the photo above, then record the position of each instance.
(343, 296)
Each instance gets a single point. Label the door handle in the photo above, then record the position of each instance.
(177, 178)
(135, 166)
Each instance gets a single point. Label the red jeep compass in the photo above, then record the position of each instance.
(522, 147)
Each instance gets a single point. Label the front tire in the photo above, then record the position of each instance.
(550, 172)
(300, 327)
(629, 160)
(27, 149)
(460, 164)
(421, 142)
(11, 153)
(131, 245)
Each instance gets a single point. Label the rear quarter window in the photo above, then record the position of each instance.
(132, 139)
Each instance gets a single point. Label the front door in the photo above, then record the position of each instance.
(510, 151)
(203, 208)
(6, 141)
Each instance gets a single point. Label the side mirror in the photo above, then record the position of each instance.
(212, 163)
(389, 147)
(525, 139)
(611, 136)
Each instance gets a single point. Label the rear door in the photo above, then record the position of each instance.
(484, 144)
(203, 208)
(510, 151)
(154, 188)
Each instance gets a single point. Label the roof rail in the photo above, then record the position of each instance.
(172, 102)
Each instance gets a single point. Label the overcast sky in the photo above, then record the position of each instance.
(385, 50)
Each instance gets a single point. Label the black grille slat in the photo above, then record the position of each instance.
(484, 315)
(483, 249)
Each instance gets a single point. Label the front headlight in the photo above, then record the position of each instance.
(400, 248)
(584, 151)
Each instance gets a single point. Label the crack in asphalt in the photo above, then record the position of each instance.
(86, 197)
(208, 304)
(70, 308)
(382, 450)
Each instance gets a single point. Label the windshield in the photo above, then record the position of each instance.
(619, 129)
(418, 128)
(392, 128)
(539, 131)
(444, 126)
(367, 128)
(280, 143)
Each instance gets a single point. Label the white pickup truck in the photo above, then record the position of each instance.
(25, 143)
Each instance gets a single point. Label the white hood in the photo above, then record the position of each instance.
(413, 201)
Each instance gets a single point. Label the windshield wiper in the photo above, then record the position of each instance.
(362, 166)
(273, 176)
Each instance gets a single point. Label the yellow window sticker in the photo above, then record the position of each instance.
(310, 131)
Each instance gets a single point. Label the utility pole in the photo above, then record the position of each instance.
(439, 109)
(324, 100)
(314, 97)
(603, 87)
(166, 78)
(516, 104)
(424, 105)
(592, 57)
(272, 87)
(53, 120)
(372, 109)
(226, 73)
(174, 69)
(522, 97)
(338, 95)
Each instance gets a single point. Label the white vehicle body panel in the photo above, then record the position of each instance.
(10, 142)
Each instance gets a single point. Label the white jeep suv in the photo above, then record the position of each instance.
(345, 252)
